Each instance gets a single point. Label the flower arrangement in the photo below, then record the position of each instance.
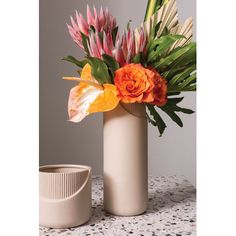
(152, 64)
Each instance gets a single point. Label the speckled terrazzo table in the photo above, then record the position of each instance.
(171, 212)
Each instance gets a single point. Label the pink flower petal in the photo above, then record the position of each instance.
(90, 17)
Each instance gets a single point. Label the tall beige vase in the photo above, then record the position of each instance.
(125, 160)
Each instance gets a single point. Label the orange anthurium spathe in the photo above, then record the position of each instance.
(89, 96)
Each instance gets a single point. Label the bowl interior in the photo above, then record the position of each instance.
(62, 169)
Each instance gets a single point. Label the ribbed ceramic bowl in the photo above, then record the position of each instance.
(64, 195)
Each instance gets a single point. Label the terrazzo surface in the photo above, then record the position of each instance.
(171, 212)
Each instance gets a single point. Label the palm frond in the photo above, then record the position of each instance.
(167, 18)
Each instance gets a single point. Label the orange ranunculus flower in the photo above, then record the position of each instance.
(160, 89)
(134, 83)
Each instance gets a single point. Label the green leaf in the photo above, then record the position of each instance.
(163, 41)
(111, 62)
(191, 79)
(184, 110)
(73, 60)
(165, 32)
(172, 115)
(114, 33)
(157, 27)
(174, 101)
(171, 108)
(151, 120)
(172, 93)
(181, 76)
(190, 88)
(161, 45)
(188, 84)
(187, 58)
(172, 104)
(99, 70)
(85, 43)
(172, 72)
(137, 58)
(182, 56)
(157, 118)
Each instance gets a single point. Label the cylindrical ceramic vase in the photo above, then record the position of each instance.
(65, 195)
(125, 160)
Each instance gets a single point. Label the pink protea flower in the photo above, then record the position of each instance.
(98, 29)
(130, 45)
(122, 49)
(102, 22)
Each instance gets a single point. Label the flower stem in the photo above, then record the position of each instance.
(151, 5)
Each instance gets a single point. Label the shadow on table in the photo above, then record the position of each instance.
(158, 201)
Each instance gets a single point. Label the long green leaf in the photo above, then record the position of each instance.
(155, 30)
(73, 60)
(172, 115)
(172, 93)
(172, 104)
(161, 45)
(181, 76)
(174, 101)
(111, 62)
(169, 73)
(189, 84)
(159, 121)
(150, 120)
(184, 54)
(85, 43)
(190, 88)
(186, 58)
(191, 79)
(99, 70)
(184, 110)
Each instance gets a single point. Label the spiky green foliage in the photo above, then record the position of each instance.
(171, 109)
(175, 63)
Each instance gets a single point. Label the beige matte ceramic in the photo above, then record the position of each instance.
(125, 160)
(65, 195)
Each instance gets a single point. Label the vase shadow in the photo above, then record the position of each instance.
(170, 198)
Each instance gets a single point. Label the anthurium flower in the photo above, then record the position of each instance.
(89, 96)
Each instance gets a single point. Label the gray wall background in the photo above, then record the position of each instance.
(65, 142)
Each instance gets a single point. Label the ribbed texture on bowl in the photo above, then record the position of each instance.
(60, 185)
